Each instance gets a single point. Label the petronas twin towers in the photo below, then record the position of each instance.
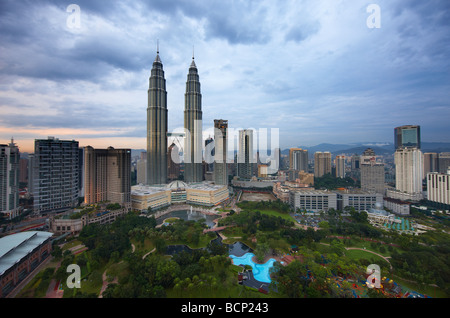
(157, 126)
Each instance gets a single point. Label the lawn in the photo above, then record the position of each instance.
(357, 242)
(427, 290)
(71, 244)
(144, 247)
(271, 212)
(359, 254)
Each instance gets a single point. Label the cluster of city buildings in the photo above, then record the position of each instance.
(414, 172)
(60, 173)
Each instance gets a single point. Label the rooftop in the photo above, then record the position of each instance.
(14, 247)
(315, 192)
(173, 186)
(141, 189)
(206, 186)
(353, 191)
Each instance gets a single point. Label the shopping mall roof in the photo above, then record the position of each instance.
(205, 186)
(14, 247)
(141, 189)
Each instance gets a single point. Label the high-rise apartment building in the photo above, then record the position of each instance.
(372, 173)
(409, 171)
(245, 159)
(438, 187)
(55, 175)
(407, 136)
(443, 162)
(340, 166)
(408, 164)
(193, 170)
(220, 151)
(322, 163)
(298, 159)
(23, 170)
(157, 122)
(9, 180)
(107, 175)
(430, 163)
(356, 160)
(30, 173)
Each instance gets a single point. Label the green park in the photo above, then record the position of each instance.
(129, 258)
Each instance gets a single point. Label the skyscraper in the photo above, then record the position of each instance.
(220, 152)
(430, 163)
(322, 163)
(409, 171)
(408, 164)
(157, 125)
(340, 166)
(298, 159)
(372, 172)
(443, 162)
(55, 175)
(9, 180)
(193, 127)
(107, 175)
(245, 160)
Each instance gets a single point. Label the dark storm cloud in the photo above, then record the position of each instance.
(315, 62)
(238, 22)
(37, 46)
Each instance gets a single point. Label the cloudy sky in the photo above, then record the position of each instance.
(318, 71)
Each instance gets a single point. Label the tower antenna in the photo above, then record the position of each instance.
(157, 46)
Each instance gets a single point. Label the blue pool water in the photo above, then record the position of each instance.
(260, 271)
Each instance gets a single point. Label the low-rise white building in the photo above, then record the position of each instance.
(315, 200)
(155, 197)
(397, 206)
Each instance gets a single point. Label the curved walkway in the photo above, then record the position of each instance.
(383, 257)
(362, 249)
(106, 283)
(143, 257)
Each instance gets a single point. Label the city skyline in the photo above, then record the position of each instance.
(315, 70)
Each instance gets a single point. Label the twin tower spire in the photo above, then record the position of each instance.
(157, 126)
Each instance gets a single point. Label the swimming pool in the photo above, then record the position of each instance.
(260, 271)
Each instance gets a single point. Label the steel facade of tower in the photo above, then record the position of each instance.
(157, 126)
(193, 127)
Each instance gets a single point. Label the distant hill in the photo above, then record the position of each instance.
(380, 148)
(359, 150)
(435, 147)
